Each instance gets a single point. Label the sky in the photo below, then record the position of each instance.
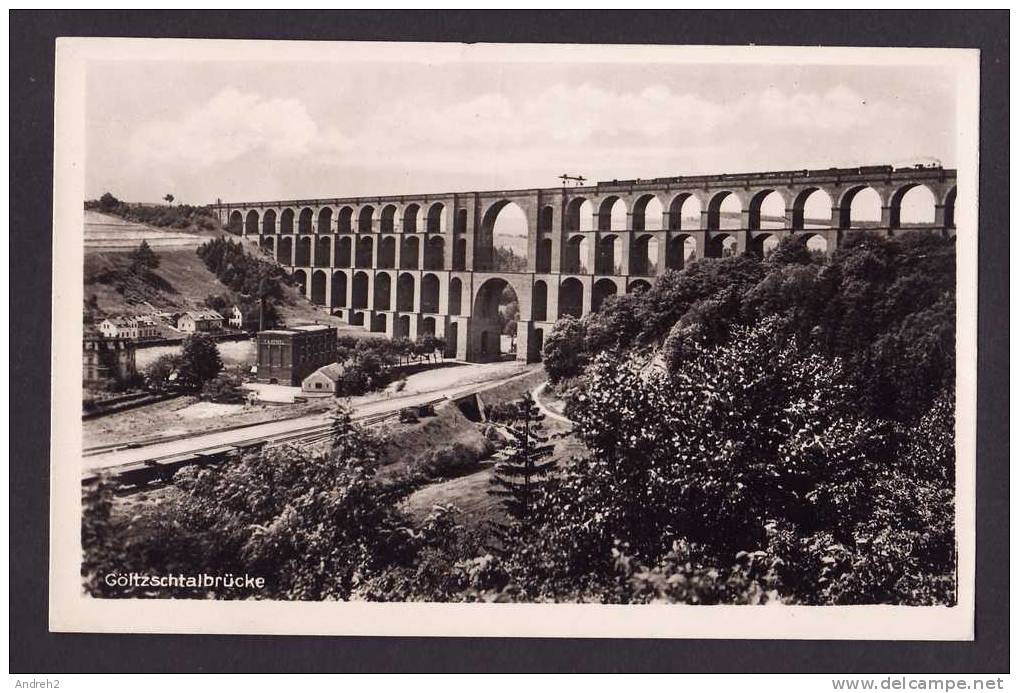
(272, 130)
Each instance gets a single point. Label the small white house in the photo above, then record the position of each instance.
(323, 380)
(200, 321)
(237, 318)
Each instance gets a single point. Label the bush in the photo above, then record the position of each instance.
(224, 389)
(446, 462)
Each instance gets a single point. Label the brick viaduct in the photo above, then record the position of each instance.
(407, 265)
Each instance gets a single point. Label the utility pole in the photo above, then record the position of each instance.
(577, 180)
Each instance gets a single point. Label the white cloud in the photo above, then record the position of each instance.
(590, 118)
(229, 126)
(497, 138)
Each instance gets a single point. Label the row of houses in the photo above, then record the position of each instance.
(130, 327)
(139, 327)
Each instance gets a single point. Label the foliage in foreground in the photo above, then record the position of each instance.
(315, 526)
(736, 453)
(750, 460)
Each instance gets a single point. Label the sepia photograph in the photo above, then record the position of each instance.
(492, 339)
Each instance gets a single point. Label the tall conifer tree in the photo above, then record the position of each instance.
(523, 466)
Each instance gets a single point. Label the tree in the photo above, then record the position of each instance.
(143, 258)
(163, 372)
(108, 202)
(200, 361)
(563, 351)
(169, 199)
(426, 346)
(520, 470)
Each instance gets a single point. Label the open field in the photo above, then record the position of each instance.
(183, 415)
(108, 232)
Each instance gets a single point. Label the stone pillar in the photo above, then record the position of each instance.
(471, 206)
(742, 241)
(523, 339)
(625, 251)
(886, 215)
(371, 291)
(556, 260)
(463, 331)
(532, 212)
(701, 239)
(443, 308)
(552, 300)
(329, 291)
(663, 252)
(836, 215)
(417, 292)
(592, 251)
(588, 291)
(831, 237)
(397, 251)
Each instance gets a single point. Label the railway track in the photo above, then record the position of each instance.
(163, 467)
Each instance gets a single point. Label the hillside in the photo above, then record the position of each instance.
(181, 282)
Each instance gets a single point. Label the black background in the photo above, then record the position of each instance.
(34, 650)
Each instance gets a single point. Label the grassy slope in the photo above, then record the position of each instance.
(469, 493)
(408, 441)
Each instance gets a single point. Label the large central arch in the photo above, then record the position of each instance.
(493, 330)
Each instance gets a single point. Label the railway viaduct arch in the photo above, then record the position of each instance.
(407, 265)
